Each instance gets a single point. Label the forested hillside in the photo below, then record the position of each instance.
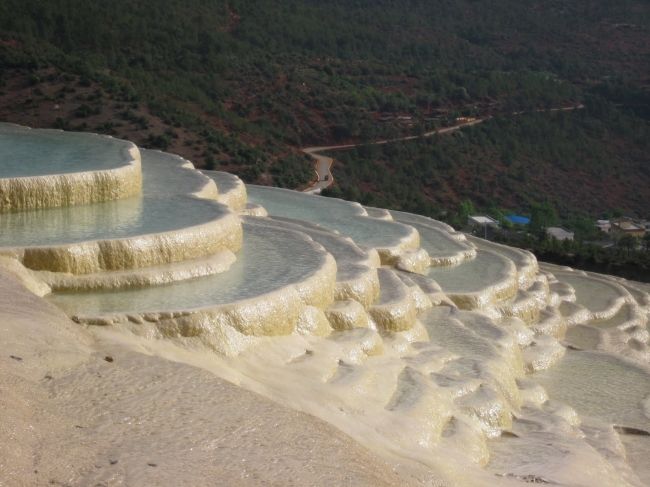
(242, 85)
(592, 161)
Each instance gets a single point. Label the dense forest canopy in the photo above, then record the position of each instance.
(242, 85)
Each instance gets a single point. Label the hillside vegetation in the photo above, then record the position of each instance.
(592, 161)
(242, 85)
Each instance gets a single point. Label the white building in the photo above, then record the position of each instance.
(481, 223)
(604, 225)
(559, 233)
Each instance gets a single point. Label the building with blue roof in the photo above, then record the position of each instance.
(518, 219)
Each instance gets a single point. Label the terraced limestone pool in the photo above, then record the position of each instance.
(49, 168)
(598, 296)
(346, 253)
(269, 260)
(232, 191)
(28, 152)
(225, 181)
(486, 270)
(338, 215)
(166, 174)
(477, 283)
(414, 219)
(163, 206)
(626, 314)
(112, 220)
(625, 399)
(444, 248)
(416, 371)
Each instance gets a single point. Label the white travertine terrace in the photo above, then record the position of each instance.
(58, 185)
(139, 277)
(379, 213)
(525, 262)
(602, 298)
(395, 309)
(175, 219)
(222, 233)
(444, 248)
(444, 353)
(478, 283)
(356, 276)
(167, 174)
(253, 209)
(347, 314)
(412, 218)
(389, 239)
(232, 190)
(210, 307)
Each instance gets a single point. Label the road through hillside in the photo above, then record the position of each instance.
(323, 164)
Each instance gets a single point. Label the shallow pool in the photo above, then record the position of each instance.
(334, 214)
(476, 275)
(32, 152)
(269, 259)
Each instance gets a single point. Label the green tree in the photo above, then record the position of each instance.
(646, 242)
(542, 216)
(466, 209)
(628, 243)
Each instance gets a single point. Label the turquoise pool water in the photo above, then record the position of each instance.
(162, 175)
(433, 237)
(269, 259)
(486, 269)
(32, 152)
(162, 207)
(334, 214)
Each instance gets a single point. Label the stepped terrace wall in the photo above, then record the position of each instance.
(115, 171)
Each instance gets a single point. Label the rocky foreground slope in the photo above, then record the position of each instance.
(448, 359)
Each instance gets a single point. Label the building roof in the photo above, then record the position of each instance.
(628, 226)
(518, 219)
(559, 233)
(483, 220)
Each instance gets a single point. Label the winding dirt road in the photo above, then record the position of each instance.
(323, 164)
